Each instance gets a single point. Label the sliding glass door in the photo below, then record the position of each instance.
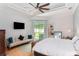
(39, 29)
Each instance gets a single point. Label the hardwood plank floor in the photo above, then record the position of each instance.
(17, 52)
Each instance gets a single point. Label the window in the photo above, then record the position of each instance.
(39, 29)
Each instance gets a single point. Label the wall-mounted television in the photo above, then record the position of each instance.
(19, 25)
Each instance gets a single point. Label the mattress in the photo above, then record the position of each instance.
(55, 47)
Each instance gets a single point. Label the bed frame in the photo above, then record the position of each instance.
(38, 54)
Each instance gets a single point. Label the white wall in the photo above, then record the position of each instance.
(8, 16)
(76, 21)
(62, 20)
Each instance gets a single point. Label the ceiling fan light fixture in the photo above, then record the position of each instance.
(40, 8)
(45, 8)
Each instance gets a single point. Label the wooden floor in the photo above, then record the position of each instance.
(17, 52)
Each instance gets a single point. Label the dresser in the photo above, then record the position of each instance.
(2, 43)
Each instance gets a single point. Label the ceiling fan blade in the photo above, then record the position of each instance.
(45, 8)
(44, 5)
(41, 11)
(32, 5)
(37, 5)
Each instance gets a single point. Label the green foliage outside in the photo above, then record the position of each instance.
(39, 34)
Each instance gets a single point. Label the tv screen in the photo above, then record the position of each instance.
(18, 25)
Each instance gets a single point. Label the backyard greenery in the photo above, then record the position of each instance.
(39, 30)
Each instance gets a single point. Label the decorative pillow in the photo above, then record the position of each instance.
(10, 40)
(75, 38)
(21, 37)
(29, 36)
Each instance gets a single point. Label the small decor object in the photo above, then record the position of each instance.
(57, 34)
(10, 40)
(50, 30)
(21, 37)
(29, 36)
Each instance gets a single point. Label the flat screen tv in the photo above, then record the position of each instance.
(19, 25)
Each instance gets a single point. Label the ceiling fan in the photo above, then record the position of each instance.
(41, 8)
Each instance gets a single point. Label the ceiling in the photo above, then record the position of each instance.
(30, 10)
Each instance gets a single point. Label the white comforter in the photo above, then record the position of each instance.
(55, 47)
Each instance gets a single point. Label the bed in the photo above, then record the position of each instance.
(55, 47)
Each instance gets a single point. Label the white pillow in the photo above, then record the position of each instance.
(76, 46)
(75, 42)
(75, 38)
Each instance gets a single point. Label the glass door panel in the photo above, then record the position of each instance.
(39, 27)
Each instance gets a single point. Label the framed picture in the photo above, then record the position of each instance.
(57, 34)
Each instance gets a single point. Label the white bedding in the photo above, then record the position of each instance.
(55, 47)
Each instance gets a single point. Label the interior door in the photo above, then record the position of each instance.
(2, 43)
